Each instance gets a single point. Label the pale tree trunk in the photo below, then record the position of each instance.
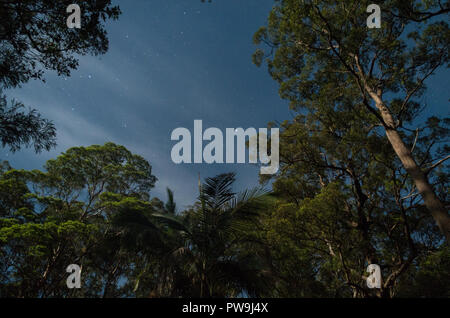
(432, 202)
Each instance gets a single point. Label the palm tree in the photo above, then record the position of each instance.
(214, 259)
(170, 206)
(205, 251)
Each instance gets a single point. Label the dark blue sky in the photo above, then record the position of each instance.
(169, 62)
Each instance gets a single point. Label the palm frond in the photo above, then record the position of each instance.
(216, 191)
(171, 221)
(170, 205)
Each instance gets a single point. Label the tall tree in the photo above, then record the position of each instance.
(322, 52)
(345, 202)
(67, 215)
(212, 260)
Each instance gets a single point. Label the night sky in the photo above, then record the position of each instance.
(169, 62)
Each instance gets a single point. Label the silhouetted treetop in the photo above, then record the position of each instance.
(34, 37)
(24, 128)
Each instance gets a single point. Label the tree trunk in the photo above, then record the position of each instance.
(432, 202)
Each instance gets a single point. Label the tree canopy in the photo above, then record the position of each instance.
(34, 38)
(326, 59)
(312, 237)
(363, 175)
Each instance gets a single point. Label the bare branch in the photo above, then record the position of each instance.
(437, 164)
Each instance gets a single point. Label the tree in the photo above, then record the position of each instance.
(34, 37)
(19, 128)
(67, 215)
(170, 206)
(328, 218)
(344, 203)
(92, 207)
(430, 278)
(212, 258)
(323, 52)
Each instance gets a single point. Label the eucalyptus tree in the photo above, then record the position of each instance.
(345, 202)
(67, 215)
(322, 52)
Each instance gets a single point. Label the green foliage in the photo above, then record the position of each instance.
(170, 206)
(346, 200)
(91, 206)
(430, 278)
(68, 214)
(209, 252)
(341, 199)
(327, 219)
